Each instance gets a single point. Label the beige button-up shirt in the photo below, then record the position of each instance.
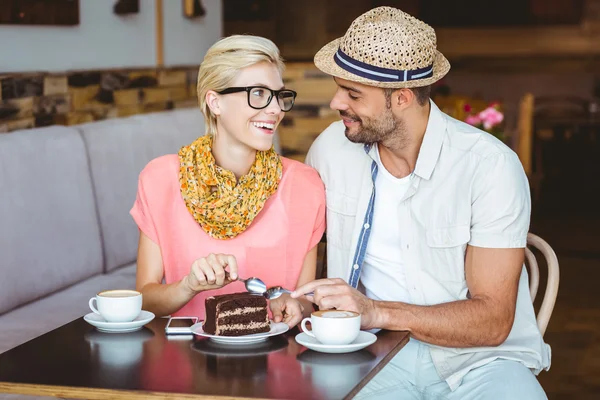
(468, 188)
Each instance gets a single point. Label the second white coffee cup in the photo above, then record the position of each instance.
(117, 305)
(333, 327)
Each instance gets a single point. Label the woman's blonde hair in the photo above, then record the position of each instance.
(224, 60)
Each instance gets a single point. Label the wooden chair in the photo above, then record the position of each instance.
(545, 312)
(524, 145)
(561, 107)
(550, 130)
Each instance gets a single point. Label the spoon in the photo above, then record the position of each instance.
(276, 291)
(254, 285)
(257, 286)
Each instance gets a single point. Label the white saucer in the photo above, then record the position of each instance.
(277, 328)
(119, 327)
(363, 340)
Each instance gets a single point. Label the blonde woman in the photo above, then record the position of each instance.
(227, 205)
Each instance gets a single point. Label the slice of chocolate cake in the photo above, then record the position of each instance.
(236, 314)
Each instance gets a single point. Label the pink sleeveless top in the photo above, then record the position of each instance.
(273, 247)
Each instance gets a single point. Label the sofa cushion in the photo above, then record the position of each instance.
(129, 269)
(49, 234)
(37, 318)
(118, 150)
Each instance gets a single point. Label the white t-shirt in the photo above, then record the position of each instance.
(383, 276)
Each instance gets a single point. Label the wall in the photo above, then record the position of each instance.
(103, 68)
(71, 98)
(104, 40)
(316, 22)
(187, 40)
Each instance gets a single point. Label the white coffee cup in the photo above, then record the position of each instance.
(334, 327)
(117, 305)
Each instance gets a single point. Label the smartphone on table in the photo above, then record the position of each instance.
(180, 325)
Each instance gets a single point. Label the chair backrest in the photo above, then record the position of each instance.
(49, 234)
(118, 149)
(545, 312)
(561, 107)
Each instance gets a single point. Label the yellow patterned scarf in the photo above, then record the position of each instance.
(223, 208)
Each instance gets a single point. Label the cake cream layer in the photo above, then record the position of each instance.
(259, 316)
(251, 325)
(239, 311)
(242, 329)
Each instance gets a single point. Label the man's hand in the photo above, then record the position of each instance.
(337, 294)
(288, 310)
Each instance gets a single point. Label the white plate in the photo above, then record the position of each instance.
(363, 340)
(210, 347)
(119, 327)
(277, 328)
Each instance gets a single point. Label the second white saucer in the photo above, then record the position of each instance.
(363, 340)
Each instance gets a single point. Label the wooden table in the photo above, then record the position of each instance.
(77, 361)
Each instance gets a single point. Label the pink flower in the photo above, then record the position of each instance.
(491, 117)
(467, 108)
(473, 120)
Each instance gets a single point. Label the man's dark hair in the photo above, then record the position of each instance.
(421, 93)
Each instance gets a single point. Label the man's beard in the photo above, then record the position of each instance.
(384, 129)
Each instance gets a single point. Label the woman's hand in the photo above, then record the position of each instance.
(208, 273)
(288, 310)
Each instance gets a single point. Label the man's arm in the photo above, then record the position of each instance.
(484, 319)
(493, 263)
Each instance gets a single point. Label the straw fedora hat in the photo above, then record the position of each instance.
(387, 48)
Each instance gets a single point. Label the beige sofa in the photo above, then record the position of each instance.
(65, 228)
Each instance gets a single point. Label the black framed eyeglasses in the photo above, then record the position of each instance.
(260, 97)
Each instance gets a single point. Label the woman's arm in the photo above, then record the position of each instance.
(206, 273)
(161, 299)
